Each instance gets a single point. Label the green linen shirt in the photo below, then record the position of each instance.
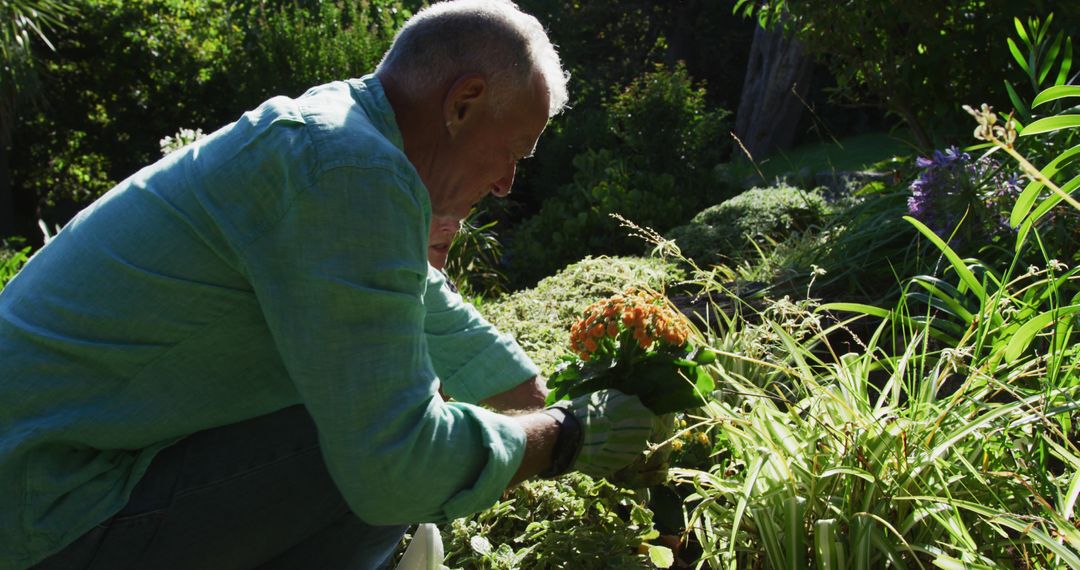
(281, 260)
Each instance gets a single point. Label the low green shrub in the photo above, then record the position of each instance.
(728, 231)
(573, 522)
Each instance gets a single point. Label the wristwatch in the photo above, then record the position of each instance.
(568, 442)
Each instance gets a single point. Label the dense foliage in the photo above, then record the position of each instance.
(657, 169)
(127, 73)
(919, 59)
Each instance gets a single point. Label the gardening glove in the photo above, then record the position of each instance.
(615, 431)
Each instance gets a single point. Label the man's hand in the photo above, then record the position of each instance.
(529, 395)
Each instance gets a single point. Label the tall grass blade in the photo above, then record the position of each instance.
(828, 551)
(855, 308)
(1044, 207)
(794, 535)
(744, 500)
(958, 264)
(1037, 535)
(770, 536)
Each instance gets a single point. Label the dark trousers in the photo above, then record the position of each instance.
(249, 495)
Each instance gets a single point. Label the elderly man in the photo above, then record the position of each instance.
(232, 359)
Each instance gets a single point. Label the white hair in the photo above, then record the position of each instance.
(491, 37)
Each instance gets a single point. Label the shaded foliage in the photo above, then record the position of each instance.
(918, 59)
(127, 73)
(657, 170)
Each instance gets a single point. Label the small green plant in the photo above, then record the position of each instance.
(473, 260)
(11, 261)
(182, 138)
(1044, 52)
(574, 522)
(657, 170)
(638, 343)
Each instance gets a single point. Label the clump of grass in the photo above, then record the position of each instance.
(943, 438)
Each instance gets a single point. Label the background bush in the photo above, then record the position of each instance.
(127, 73)
(728, 231)
(656, 169)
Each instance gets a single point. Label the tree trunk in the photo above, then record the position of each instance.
(769, 112)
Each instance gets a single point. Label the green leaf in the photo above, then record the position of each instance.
(853, 471)
(1026, 333)
(1019, 57)
(794, 537)
(1066, 63)
(1018, 103)
(1027, 198)
(1065, 554)
(962, 270)
(1054, 93)
(661, 556)
(1050, 57)
(828, 551)
(705, 356)
(1049, 124)
(1044, 207)
(480, 545)
(855, 308)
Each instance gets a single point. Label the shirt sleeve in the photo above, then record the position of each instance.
(340, 280)
(473, 360)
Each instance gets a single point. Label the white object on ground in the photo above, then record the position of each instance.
(425, 550)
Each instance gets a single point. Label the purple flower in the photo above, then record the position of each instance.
(951, 184)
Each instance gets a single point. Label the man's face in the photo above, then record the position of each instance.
(482, 152)
(439, 239)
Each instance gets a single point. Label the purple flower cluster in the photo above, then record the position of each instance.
(954, 187)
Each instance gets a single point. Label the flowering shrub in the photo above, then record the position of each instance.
(637, 343)
(953, 186)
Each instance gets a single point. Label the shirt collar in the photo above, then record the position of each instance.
(368, 93)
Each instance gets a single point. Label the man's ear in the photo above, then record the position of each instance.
(462, 100)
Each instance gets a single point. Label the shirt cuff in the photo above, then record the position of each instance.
(505, 441)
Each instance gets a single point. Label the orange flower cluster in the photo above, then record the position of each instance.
(645, 315)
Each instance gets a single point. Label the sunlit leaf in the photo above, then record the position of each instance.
(1054, 93)
(1050, 124)
(661, 556)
